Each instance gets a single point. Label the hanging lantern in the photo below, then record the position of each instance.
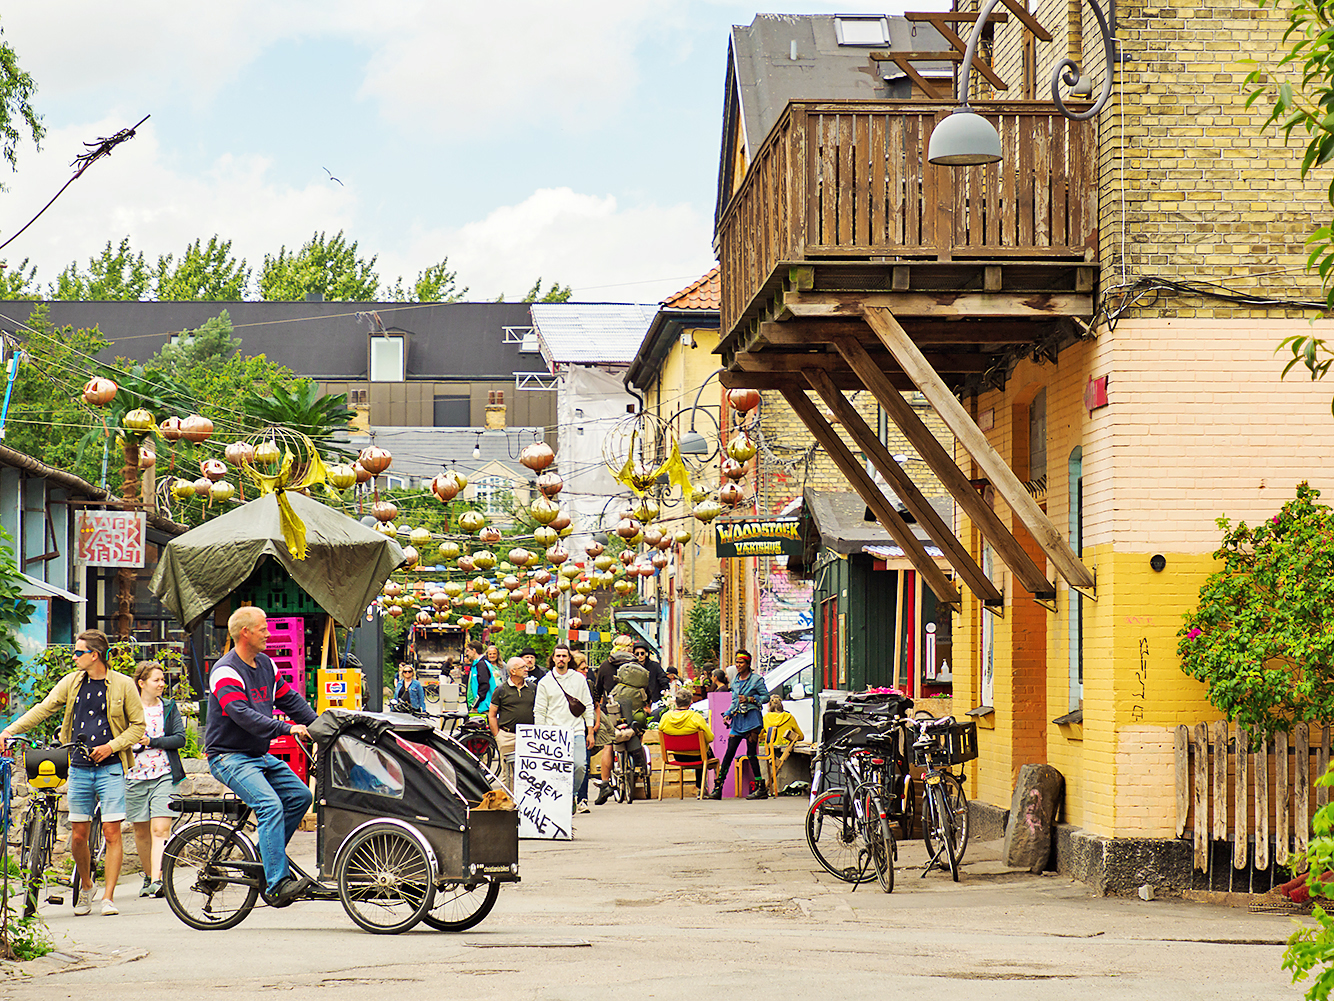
(412, 556)
(341, 475)
(729, 494)
(202, 486)
(584, 587)
(594, 549)
(627, 528)
(520, 557)
(489, 536)
(484, 560)
(472, 521)
(605, 562)
(147, 457)
(465, 564)
(741, 447)
(550, 483)
(267, 454)
(641, 476)
(139, 420)
(545, 536)
(646, 510)
(99, 392)
(544, 510)
(542, 577)
(182, 490)
(449, 550)
(707, 510)
(699, 494)
(551, 615)
(557, 555)
(424, 618)
(683, 536)
(419, 537)
(238, 452)
(214, 469)
(562, 585)
(440, 599)
(652, 535)
(452, 588)
(392, 588)
(446, 487)
(387, 528)
(660, 560)
(627, 557)
(743, 400)
(375, 460)
(363, 474)
(395, 611)
(590, 604)
(384, 511)
(170, 429)
(576, 623)
(196, 428)
(537, 456)
(732, 469)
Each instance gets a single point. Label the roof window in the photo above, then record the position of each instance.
(861, 30)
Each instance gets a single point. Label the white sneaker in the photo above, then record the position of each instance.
(583, 807)
(83, 900)
(109, 907)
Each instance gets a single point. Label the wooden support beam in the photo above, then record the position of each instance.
(865, 438)
(982, 305)
(740, 379)
(861, 481)
(807, 333)
(802, 361)
(942, 464)
(951, 411)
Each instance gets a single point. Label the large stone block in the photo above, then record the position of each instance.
(1028, 836)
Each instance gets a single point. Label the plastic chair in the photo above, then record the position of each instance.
(702, 761)
(766, 752)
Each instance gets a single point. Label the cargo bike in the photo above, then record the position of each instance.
(409, 827)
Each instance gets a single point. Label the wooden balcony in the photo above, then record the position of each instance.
(840, 199)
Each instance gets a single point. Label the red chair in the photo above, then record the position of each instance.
(700, 760)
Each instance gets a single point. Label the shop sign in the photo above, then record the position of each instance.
(759, 537)
(110, 538)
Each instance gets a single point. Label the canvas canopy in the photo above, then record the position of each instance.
(345, 565)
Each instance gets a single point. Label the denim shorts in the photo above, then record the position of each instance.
(90, 786)
(148, 798)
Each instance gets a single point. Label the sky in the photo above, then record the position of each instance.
(577, 142)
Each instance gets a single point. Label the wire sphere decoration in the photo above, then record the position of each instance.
(644, 442)
(271, 446)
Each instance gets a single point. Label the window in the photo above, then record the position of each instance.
(1075, 630)
(861, 30)
(495, 494)
(1037, 438)
(452, 412)
(362, 768)
(388, 359)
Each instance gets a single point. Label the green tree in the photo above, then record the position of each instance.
(15, 610)
(1262, 634)
(16, 113)
(114, 274)
(436, 284)
(702, 635)
(204, 273)
(303, 407)
(556, 292)
(208, 348)
(328, 266)
(19, 282)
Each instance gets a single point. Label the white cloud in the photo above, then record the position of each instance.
(640, 253)
(136, 192)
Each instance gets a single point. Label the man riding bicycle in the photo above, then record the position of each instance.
(244, 689)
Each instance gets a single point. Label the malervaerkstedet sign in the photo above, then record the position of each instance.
(757, 537)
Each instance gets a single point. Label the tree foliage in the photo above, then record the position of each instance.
(703, 635)
(19, 282)
(15, 610)
(1262, 634)
(436, 284)
(1311, 949)
(115, 274)
(204, 273)
(329, 266)
(16, 112)
(301, 406)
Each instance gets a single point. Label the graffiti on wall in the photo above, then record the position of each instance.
(784, 619)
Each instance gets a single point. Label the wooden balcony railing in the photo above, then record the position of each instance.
(850, 180)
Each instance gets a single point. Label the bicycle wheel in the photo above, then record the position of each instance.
(385, 879)
(880, 843)
(97, 847)
(35, 839)
(942, 827)
(459, 906)
(834, 838)
(482, 746)
(623, 768)
(200, 886)
(956, 803)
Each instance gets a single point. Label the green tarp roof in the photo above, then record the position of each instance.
(345, 565)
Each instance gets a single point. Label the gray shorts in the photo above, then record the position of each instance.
(148, 798)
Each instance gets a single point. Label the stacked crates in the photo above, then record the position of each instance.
(337, 689)
(288, 750)
(287, 650)
(272, 588)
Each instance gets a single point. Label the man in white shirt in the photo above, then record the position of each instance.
(556, 693)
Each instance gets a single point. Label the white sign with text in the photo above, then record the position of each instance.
(544, 781)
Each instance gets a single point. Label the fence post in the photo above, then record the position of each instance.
(1220, 780)
(1301, 820)
(1282, 798)
(1261, 764)
(1202, 797)
(1242, 799)
(1181, 758)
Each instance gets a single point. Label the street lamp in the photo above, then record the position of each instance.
(966, 139)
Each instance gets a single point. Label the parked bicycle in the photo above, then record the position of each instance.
(941, 743)
(471, 731)
(47, 768)
(850, 828)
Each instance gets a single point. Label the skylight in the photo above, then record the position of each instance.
(861, 30)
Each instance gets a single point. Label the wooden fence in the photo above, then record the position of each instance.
(1259, 799)
(850, 180)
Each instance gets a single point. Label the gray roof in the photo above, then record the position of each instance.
(322, 340)
(589, 333)
(421, 453)
(840, 519)
(763, 77)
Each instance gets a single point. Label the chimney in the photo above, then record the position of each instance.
(495, 410)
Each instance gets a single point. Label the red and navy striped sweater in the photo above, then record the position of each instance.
(241, 700)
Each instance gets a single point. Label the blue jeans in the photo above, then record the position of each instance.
(278, 797)
(91, 786)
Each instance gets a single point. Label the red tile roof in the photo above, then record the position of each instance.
(703, 293)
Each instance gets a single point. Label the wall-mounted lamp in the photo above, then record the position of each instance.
(966, 139)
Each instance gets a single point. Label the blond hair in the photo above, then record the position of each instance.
(621, 642)
(245, 617)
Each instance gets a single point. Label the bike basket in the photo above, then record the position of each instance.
(47, 767)
(958, 741)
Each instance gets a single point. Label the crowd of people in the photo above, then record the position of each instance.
(126, 736)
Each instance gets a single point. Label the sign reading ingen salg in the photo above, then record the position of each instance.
(761, 537)
(544, 781)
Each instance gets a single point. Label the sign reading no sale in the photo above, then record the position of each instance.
(759, 537)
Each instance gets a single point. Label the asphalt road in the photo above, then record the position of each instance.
(691, 900)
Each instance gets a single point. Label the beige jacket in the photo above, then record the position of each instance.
(125, 712)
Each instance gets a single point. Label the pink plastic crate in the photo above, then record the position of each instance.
(287, 636)
(292, 670)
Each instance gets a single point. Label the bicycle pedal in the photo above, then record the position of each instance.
(55, 900)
